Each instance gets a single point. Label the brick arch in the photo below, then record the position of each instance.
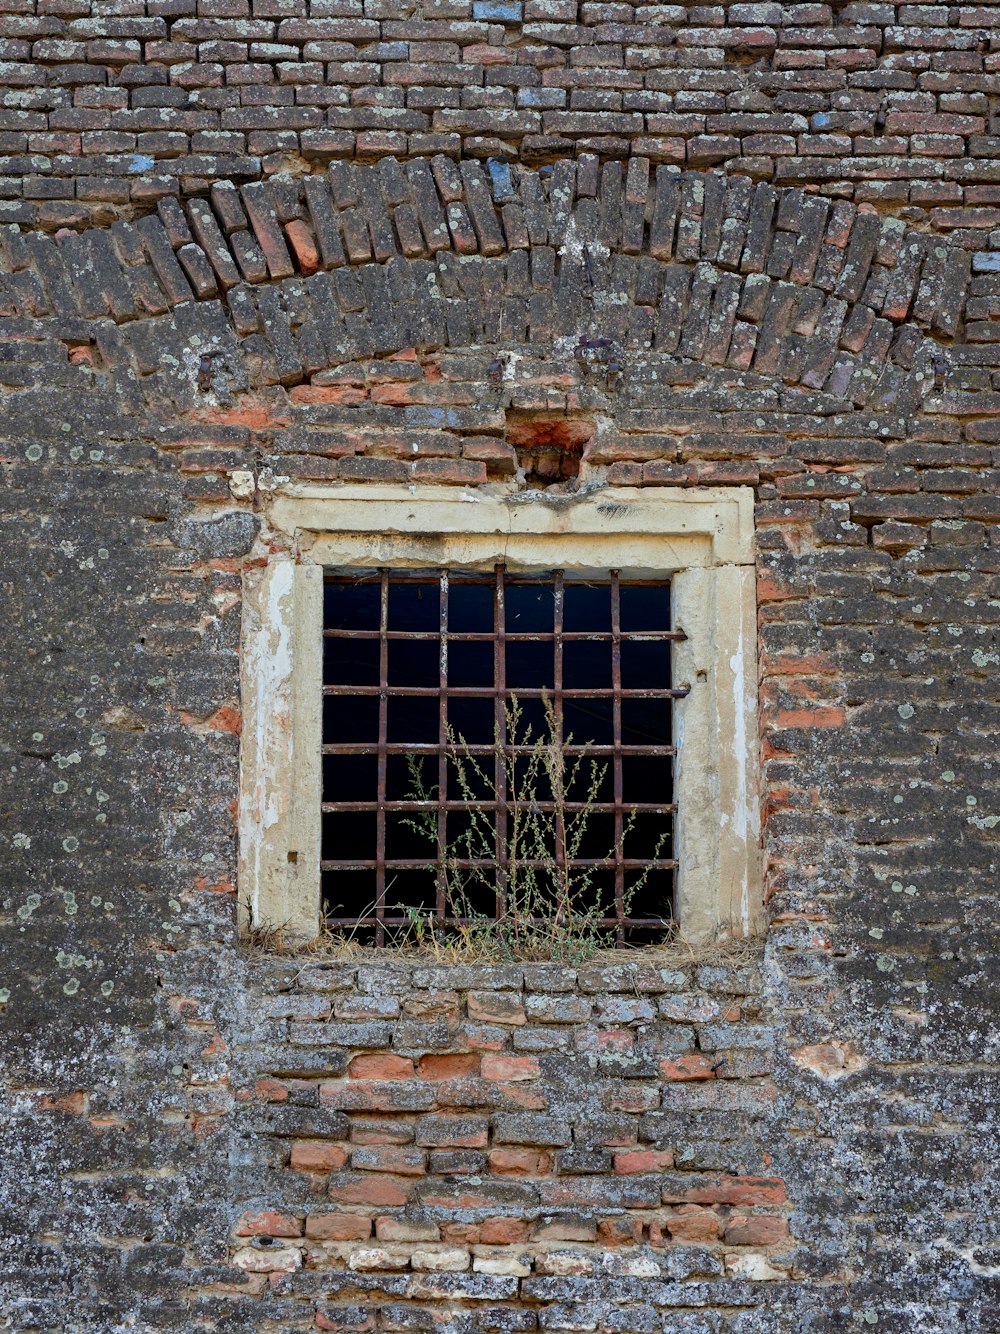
(600, 311)
(274, 283)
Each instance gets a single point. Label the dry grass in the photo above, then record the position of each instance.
(339, 947)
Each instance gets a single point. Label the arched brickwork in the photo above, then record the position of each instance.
(279, 285)
(797, 262)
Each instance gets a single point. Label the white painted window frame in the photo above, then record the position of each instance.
(700, 539)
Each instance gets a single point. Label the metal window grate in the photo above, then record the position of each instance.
(410, 654)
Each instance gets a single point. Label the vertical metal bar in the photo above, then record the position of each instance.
(500, 725)
(672, 650)
(383, 729)
(561, 852)
(442, 810)
(616, 717)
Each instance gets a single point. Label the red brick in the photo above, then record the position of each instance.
(643, 1160)
(382, 1191)
(792, 664)
(692, 1223)
(367, 1130)
(75, 1103)
(304, 245)
(771, 590)
(338, 1227)
(402, 1229)
(756, 1230)
(461, 472)
(519, 1162)
(448, 1065)
(734, 1190)
(621, 1231)
(465, 1234)
(312, 1155)
(503, 1231)
(692, 1066)
(511, 1067)
(345, 395)
(496, 1007)
(226, 719)
(268, 1223)
(380, 1065)
(448, 1195)
(399, 395)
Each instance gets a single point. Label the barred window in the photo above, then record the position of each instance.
(440, 689)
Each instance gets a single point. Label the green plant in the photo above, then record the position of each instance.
(528, 808)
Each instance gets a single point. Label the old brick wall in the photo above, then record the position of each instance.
(111, 104)
(648, 245)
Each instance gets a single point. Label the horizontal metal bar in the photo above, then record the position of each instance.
(543, 578)
(486, 748)
(518, 636)
(659, 923)
(490, 692)
(476, 863)
(639, 808)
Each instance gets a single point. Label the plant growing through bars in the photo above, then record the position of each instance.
(527, 808)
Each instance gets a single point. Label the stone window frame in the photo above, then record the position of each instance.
(701, 539)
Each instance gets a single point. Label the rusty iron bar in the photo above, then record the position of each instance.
(501, 824)
(606, 807)
(512, 636)
(441, 906)
(529, 692)
(616, 759)
(383, 737)
(657, 923)
(468, 863)
(431, 748)
(558, 692)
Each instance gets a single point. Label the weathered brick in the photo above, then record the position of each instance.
(496, 1007)
(381, 1066)
(317, 1156)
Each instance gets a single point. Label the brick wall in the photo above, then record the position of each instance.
(483, 1134)
(107, 105)
(653, 245)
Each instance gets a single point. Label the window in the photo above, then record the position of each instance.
(440, 686)
(400, 628)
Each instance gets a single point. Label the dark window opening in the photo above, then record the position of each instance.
(435, 677)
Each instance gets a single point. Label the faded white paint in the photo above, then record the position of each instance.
(279, 748)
